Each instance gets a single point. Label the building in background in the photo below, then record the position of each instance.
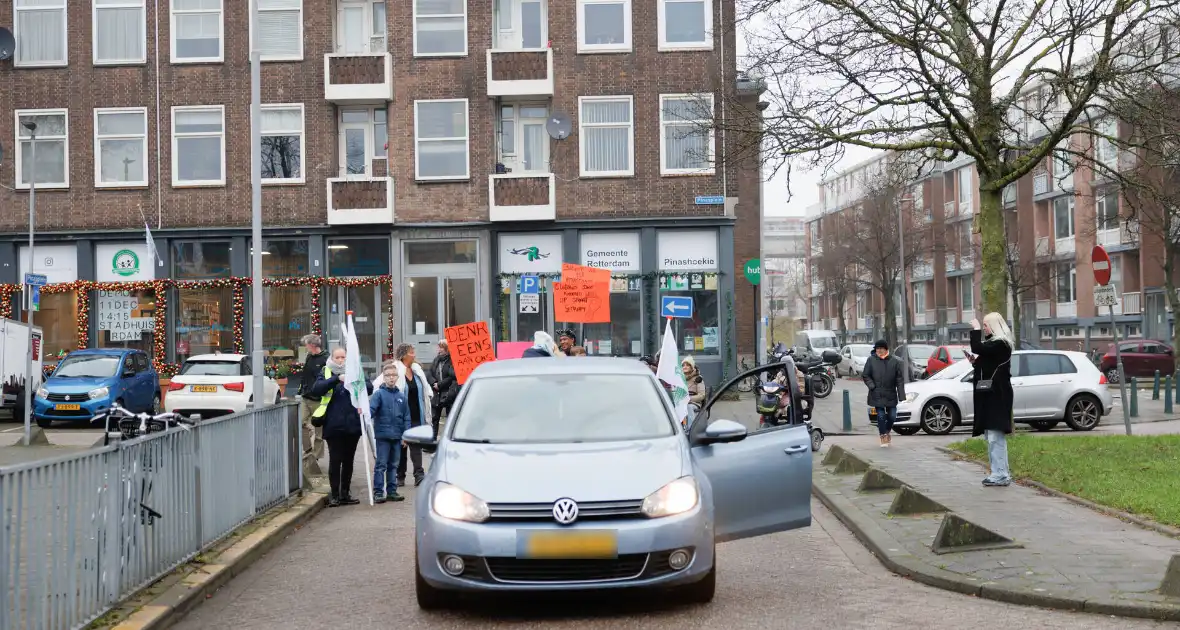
(408, 173)
(784, 291)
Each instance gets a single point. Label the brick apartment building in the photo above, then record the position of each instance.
(1056, 214)
(408, 172)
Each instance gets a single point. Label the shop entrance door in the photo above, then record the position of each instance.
(369, 315)
(440, 288)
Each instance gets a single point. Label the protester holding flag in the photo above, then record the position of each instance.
(342, 427)
(671, 375)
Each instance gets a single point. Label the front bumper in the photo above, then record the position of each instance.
(489, 551)
(87, 408)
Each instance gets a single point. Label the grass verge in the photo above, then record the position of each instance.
(1135, 474)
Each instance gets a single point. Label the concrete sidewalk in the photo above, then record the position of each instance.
(1061, 555)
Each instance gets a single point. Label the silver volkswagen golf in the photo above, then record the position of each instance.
(566, 475)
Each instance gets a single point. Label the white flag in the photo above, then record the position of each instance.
(354, 382)
(151, 245)
(669, 372)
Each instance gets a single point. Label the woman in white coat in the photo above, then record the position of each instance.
(411, 380)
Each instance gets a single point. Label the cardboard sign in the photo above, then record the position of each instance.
(511, 349)
(579, 273)
(470, 345)
(581, 302)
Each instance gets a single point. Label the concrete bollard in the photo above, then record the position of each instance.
(847, 412)
(1134, 410)
(1168, 394)
(1155, 388)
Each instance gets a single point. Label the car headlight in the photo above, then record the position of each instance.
(677, 497)
(42, 393)
(911, 396)
(457, 504)
(101, 392)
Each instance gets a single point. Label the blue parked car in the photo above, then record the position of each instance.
(86, 382)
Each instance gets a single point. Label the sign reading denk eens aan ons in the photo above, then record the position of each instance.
(470, 345)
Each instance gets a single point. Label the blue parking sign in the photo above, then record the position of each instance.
(530, 284)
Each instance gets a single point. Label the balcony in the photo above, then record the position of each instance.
(360, 200)
(1064, 245)
(1128, 236)
(1042, 247)
(966, 262)
(1067, 309)
(525, 197)
(1108, 238)
(1130, 304)
(864, 323)
(952, 315)
(920, 318)
(951, 262)
(357, 79)
(1043, 309)
(520, 72)
(948, 209)
(923, 269)
(965, 209)
(930, 317)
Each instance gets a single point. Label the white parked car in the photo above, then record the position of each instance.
(852, 359)
(216, 384)
(1049, 387)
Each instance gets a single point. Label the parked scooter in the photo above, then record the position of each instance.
(820, 373)
(773, 403)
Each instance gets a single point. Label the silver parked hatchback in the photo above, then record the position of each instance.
(564, 475)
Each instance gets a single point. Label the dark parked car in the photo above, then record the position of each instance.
(1140, 358)
(916, 355)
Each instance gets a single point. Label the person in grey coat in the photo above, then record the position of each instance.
(886, 382)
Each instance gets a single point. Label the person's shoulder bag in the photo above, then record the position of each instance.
(986, 385)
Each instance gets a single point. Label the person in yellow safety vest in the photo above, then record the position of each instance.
(342, 427)
(327, 398)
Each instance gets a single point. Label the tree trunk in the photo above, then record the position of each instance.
(1016, 322)
(890, 322)
(993, 252)
(840, 306)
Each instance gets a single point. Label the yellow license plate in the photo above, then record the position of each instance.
(570, 545)
(205, 389)
(67, 407)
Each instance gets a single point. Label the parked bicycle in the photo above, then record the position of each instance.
(129, 425)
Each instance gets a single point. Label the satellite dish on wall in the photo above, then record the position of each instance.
(7, 44)
(559, 126)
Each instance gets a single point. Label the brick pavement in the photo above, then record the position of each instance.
(1071, 557)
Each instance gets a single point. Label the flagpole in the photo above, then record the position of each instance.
(352, 349)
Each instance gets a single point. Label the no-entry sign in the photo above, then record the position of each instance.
(1100, 261)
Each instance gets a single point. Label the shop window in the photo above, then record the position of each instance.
(125, 319)
(353, 257)
(204, 315)
(623, 336)
(441, 253)
(286, 311)
(57, 317)
(698, 334)
(284, 258)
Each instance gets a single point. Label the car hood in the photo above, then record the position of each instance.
(78, 385)
(542, 473)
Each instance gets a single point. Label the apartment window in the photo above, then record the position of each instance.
(967, 292)
(364, 137)
(196, 31)
(280, 30)
(440, 28)
(120, 147)
(919, 297)
(607, 136)
(1116, 273)
(1105, 150)
(360, 26)
(1062, 161)
(198, 146)
(441, 142)
(40, 30)
(52, 155)
(1067, 283)
(965, 185)
(604, 25)
(282, 144)
(1063, 217)
(685, 24)
(120, 32)
(1106, 210)
(521, 24)
(524, 144)
(686, 134)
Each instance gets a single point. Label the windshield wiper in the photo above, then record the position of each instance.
(478, 441)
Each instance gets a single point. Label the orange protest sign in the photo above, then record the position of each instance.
(581, 302)
(578, 273)
(470, 345)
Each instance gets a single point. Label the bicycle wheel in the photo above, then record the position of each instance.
(747, 384)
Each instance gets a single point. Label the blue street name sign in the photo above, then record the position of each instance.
(675, 306)
(36, 279)
(710, 200)
(530, 284)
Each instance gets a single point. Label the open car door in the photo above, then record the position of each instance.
(760, 484)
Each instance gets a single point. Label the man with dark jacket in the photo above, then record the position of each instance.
(886, 382)
(313, 367)
(442, 379)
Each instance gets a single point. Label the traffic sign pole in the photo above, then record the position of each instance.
(29, 393)
(1100, 263)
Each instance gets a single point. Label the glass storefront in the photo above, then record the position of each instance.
(286, 311)
(124, 319)
(688, 261)
(58, 319)
(623, 336)
(204, 316)
(356, 257)
(351, 258)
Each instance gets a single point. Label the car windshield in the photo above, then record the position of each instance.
(88, 366)
(954, 370)
(957, 354)
(211, 368)
(565, 408)
(919, 353)
(860, 351)
(823, 342)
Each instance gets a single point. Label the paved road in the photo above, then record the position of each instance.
(353, 567)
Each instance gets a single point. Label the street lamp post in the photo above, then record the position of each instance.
(905, 302)
(32, 127)
(256, 210)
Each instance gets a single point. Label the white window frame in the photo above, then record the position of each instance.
(665, 46)
(367, 6)
(514, 33)
(628, 34)
(65, 34)
(965, 192)
(370, 128)
(1073, 283)
(172, 12)
(302, 143)
(467, 141)
(1062, 163)
(63, 111)
(664, 170)
(298, 57)
(1070, 214)
(966, 292)
(466, 39)
(518, 121)
(98, 111)
(582, 172)
(1102, 146)
(178, 183)
(124, 4)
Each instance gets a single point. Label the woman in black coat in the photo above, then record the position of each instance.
(991, 343)
(342, 428)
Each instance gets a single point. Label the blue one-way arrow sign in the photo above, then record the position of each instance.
(676, 306)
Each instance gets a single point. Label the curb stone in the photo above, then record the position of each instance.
(1148, 524)
(191, 590)
(890, 554)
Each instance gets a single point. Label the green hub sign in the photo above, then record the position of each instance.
(754, 271)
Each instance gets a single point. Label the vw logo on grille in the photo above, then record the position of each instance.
(565, 511)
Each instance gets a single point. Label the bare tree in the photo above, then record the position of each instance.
(835, 269)
(280, 157)
(939, 79)
(1021, 275)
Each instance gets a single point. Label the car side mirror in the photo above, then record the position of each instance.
(422, 437)
(723, 431)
